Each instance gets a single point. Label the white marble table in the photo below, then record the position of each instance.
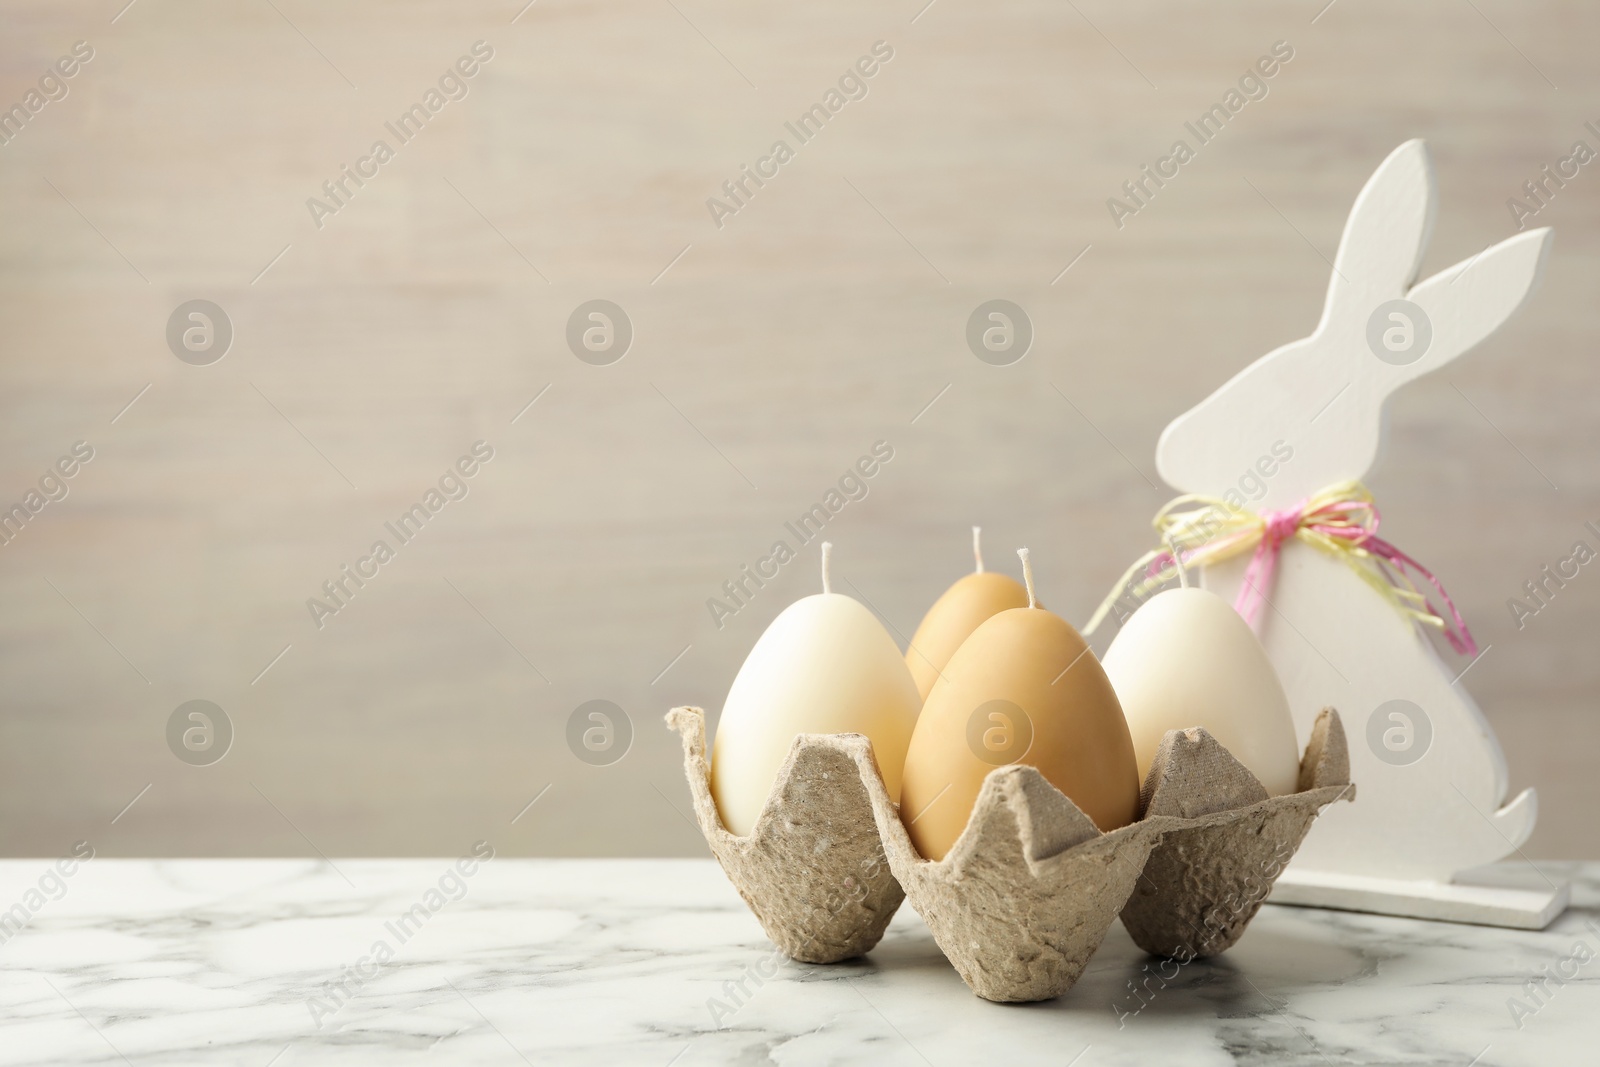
(618, 962)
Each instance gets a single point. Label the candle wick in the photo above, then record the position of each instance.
(1027, 576)
(827, 583)
(977, 546)
(1177, 561)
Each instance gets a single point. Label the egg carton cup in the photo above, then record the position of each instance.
(1028, 891)
(1030, 888)
(1206, 879)
(813, 869)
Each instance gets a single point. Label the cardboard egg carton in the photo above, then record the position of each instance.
(1030, 888)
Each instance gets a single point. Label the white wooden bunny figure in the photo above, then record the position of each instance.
(1430, 775)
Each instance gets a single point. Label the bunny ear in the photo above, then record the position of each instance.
(1388, 230)
(1467, 302)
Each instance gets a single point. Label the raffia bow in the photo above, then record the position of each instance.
(1340, 520)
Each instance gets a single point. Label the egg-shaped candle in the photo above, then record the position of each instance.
(1186, 658)
(1024, 688)
(826, 665)
(956, 614)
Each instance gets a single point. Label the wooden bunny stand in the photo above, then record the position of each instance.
(1433, 779)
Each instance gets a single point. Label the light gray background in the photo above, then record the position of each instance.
(774, 351)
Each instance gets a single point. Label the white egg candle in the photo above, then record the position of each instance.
(1186, 658)
(824, 666)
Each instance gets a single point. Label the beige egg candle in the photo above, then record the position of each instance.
(1186, 658)
(1023, 688)
(956, 614)
(826, 665)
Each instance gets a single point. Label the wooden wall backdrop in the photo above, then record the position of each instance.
(827, 314)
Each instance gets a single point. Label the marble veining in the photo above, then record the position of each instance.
(658, 962)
